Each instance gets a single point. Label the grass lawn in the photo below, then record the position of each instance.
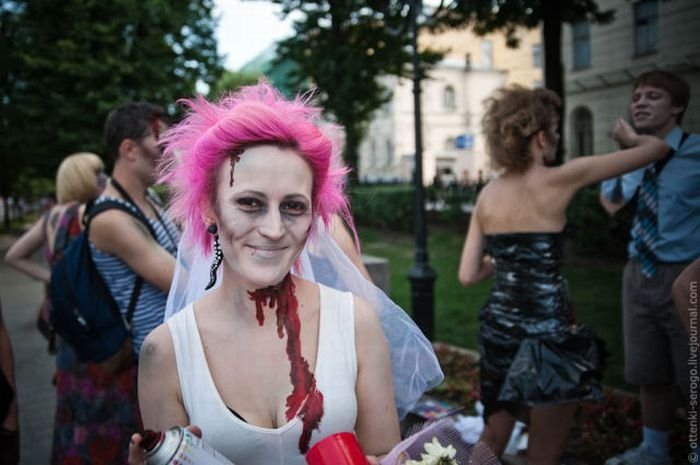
(595, 286)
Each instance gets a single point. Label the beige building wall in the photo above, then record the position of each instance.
(605, 88)
(518, 62)
(469, 73)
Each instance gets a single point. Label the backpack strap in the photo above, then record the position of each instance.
(45, 232)
(45, 225)
(92, 210)
(150, 197)
(65, 223)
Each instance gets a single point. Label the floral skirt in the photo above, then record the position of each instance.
(96, 414)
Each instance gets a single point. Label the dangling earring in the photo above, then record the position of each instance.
(218, 256)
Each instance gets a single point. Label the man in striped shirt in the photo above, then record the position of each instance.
(123, 247)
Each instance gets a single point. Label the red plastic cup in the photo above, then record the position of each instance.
(337, 449)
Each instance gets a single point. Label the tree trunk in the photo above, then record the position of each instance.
(553, 69)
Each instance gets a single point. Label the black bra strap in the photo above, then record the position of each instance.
(236, 414)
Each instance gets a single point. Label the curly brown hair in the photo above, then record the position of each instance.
(512, 116)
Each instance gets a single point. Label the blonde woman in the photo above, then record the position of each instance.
(79, 179)
(91, 416)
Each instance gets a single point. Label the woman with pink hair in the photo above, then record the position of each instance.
(267, 363)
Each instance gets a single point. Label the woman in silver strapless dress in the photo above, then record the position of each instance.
(535, 360)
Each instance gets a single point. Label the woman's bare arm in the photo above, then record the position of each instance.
(7, 365)
(583, 171)
(474, 266)
(20, 254)
(685, 284)
(160, 399)
(377, 426)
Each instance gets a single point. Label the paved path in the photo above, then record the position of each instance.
(21, 297)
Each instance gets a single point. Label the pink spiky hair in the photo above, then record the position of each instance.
(259, 114)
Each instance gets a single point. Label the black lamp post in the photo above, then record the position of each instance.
(421, 275)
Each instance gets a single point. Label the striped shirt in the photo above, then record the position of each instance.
(120, 279)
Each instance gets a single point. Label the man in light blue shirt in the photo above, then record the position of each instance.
(656, 343)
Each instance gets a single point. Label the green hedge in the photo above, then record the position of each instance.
(392, 207)
(596, 233)
(384, 207)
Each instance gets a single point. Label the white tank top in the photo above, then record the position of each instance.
(246, 444)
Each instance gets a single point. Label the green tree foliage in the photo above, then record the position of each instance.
(341, 48)
(11, 123)
(232, 80)
(71, 61)
(485, 16)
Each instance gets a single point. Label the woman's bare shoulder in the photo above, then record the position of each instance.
(306, 289)
(157, 347)
(365, 316)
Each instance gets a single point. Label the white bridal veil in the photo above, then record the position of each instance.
(415, 367)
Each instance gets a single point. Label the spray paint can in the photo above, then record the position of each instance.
(178, 446)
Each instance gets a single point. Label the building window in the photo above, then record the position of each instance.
(581, 32)
(582, 128)
(646, 19)
(448, 99)
(537, 56)
(487, 54)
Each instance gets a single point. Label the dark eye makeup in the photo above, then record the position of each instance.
(294, 207)
(248, 203)
(253, 204)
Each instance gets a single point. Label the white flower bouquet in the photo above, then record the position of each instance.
(439, 443)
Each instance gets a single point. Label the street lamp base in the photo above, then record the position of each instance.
(422, 278)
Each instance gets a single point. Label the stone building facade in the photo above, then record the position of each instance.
(601, 62)
(452, 106)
